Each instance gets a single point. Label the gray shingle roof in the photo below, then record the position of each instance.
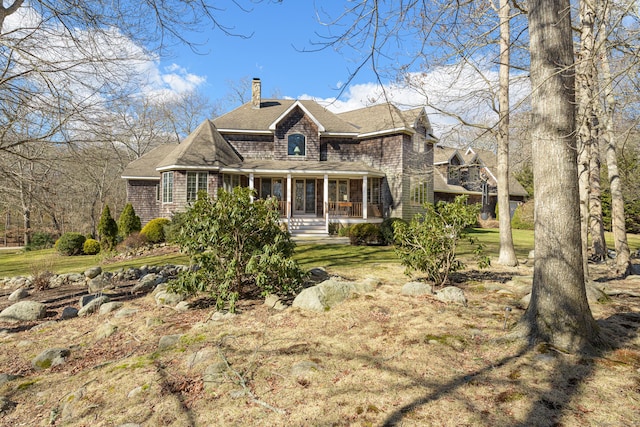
(145, 166)
(311, 167)
(379, 118)
(204, 147)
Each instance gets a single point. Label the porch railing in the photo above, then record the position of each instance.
(354, 210)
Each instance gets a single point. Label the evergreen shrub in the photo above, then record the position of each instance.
(91, 247)
(70, 243)
(153, 231)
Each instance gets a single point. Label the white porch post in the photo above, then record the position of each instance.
(326, 202)
(251, 184)
(288, 198)
(365, 202)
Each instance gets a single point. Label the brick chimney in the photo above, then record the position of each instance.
(256, 88)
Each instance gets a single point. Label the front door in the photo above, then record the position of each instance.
(304, 201)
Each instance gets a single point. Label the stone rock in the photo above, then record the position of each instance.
(5, 378)
(416, 289)
(105, 331)
(6, 406)
(182, 306)
(369, 284)
(24, 311)
(50, 357)
(154, 321)
(304, 368)
(199, 357)
(99, 283)
(136, 391)
(219, 316)
(75, 277)
(214, 374)
(451, 294)
(168, 298)
(147, 283)
(318, 274)
(324, 296)
(45, 325)
(168, 341)
(595, 295)
(126, 312)
(635, 268)
(18, 294)
(108, 307)
(93, 305)
(273, 301)
(68, 313)
(92, 272)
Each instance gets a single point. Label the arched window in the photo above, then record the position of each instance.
(297, 143)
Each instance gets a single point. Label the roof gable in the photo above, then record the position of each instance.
(203, 148)
(285, 113)
(144, 167)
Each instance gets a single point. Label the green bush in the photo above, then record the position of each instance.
(343, 230)
(128, 222)
(172, 230)
(428, 243)
(70, 243)
(386, 230)
(91, 247)
(153, 232)
(523, 217)
(40, 240)
(364, 234)
(107, 229)
(240, 249)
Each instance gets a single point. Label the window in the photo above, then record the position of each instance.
(196, 181)
(231, 181)
(167, 187)
(373, 191)
(296, 145)
(419, 191)
(338, 190)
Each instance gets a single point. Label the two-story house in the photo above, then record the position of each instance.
(322, 167)
(472, 172)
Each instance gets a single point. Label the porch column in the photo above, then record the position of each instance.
(288, 197)
(325, 202)
(365, 202)
(251, 185)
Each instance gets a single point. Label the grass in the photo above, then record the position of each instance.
(16, 263)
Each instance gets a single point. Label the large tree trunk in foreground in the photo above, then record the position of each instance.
(507, 251)
(558, 312)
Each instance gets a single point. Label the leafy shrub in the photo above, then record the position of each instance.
(91, 247)
(107, 229)
(132, 241)
(154, 230)
(428, 243)
(344, 231)
(364, 234)
(128, 222)
(40, 240)
(386, 229)
(172, 230)
(240, 249)
(523, 216)
(70, 243)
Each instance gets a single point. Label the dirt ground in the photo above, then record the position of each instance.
(379, 358)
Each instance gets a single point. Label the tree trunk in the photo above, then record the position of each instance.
(558, 312)
(507, 251)
(596, 224)
(618, 225)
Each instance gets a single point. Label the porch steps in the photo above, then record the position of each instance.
(307, 227)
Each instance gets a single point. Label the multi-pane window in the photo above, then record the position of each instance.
(338, 190)
(373, 191)
(231, 181)
(196, 181)
(296, 146)
(419, 191)
(167, 187)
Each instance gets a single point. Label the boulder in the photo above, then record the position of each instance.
(98, 283)
(324, 296)
(168, 341)
(5, 378)
(451, 294)
(126, 312)
(92, 272)
(68, 313)
(108, 307)
(18, 294)
(274, 301)
(105, 331)
(147, 283)
(24, 311)
(6, 406)
(93, 305)
(168, 298)
(50, 357)
(416, 289)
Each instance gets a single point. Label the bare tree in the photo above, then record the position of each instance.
(558, 312)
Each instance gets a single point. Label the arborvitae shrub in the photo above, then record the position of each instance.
(70, 243)
(154, 230)
(128, 222)
(107, 229)
(91, 247)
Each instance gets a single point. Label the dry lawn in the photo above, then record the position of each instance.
(377, 359)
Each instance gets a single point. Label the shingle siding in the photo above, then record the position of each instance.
(297, 122)
(142, 194)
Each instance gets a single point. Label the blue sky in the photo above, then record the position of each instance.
(280, 31)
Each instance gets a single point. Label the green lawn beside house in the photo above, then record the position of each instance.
(18, 262)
